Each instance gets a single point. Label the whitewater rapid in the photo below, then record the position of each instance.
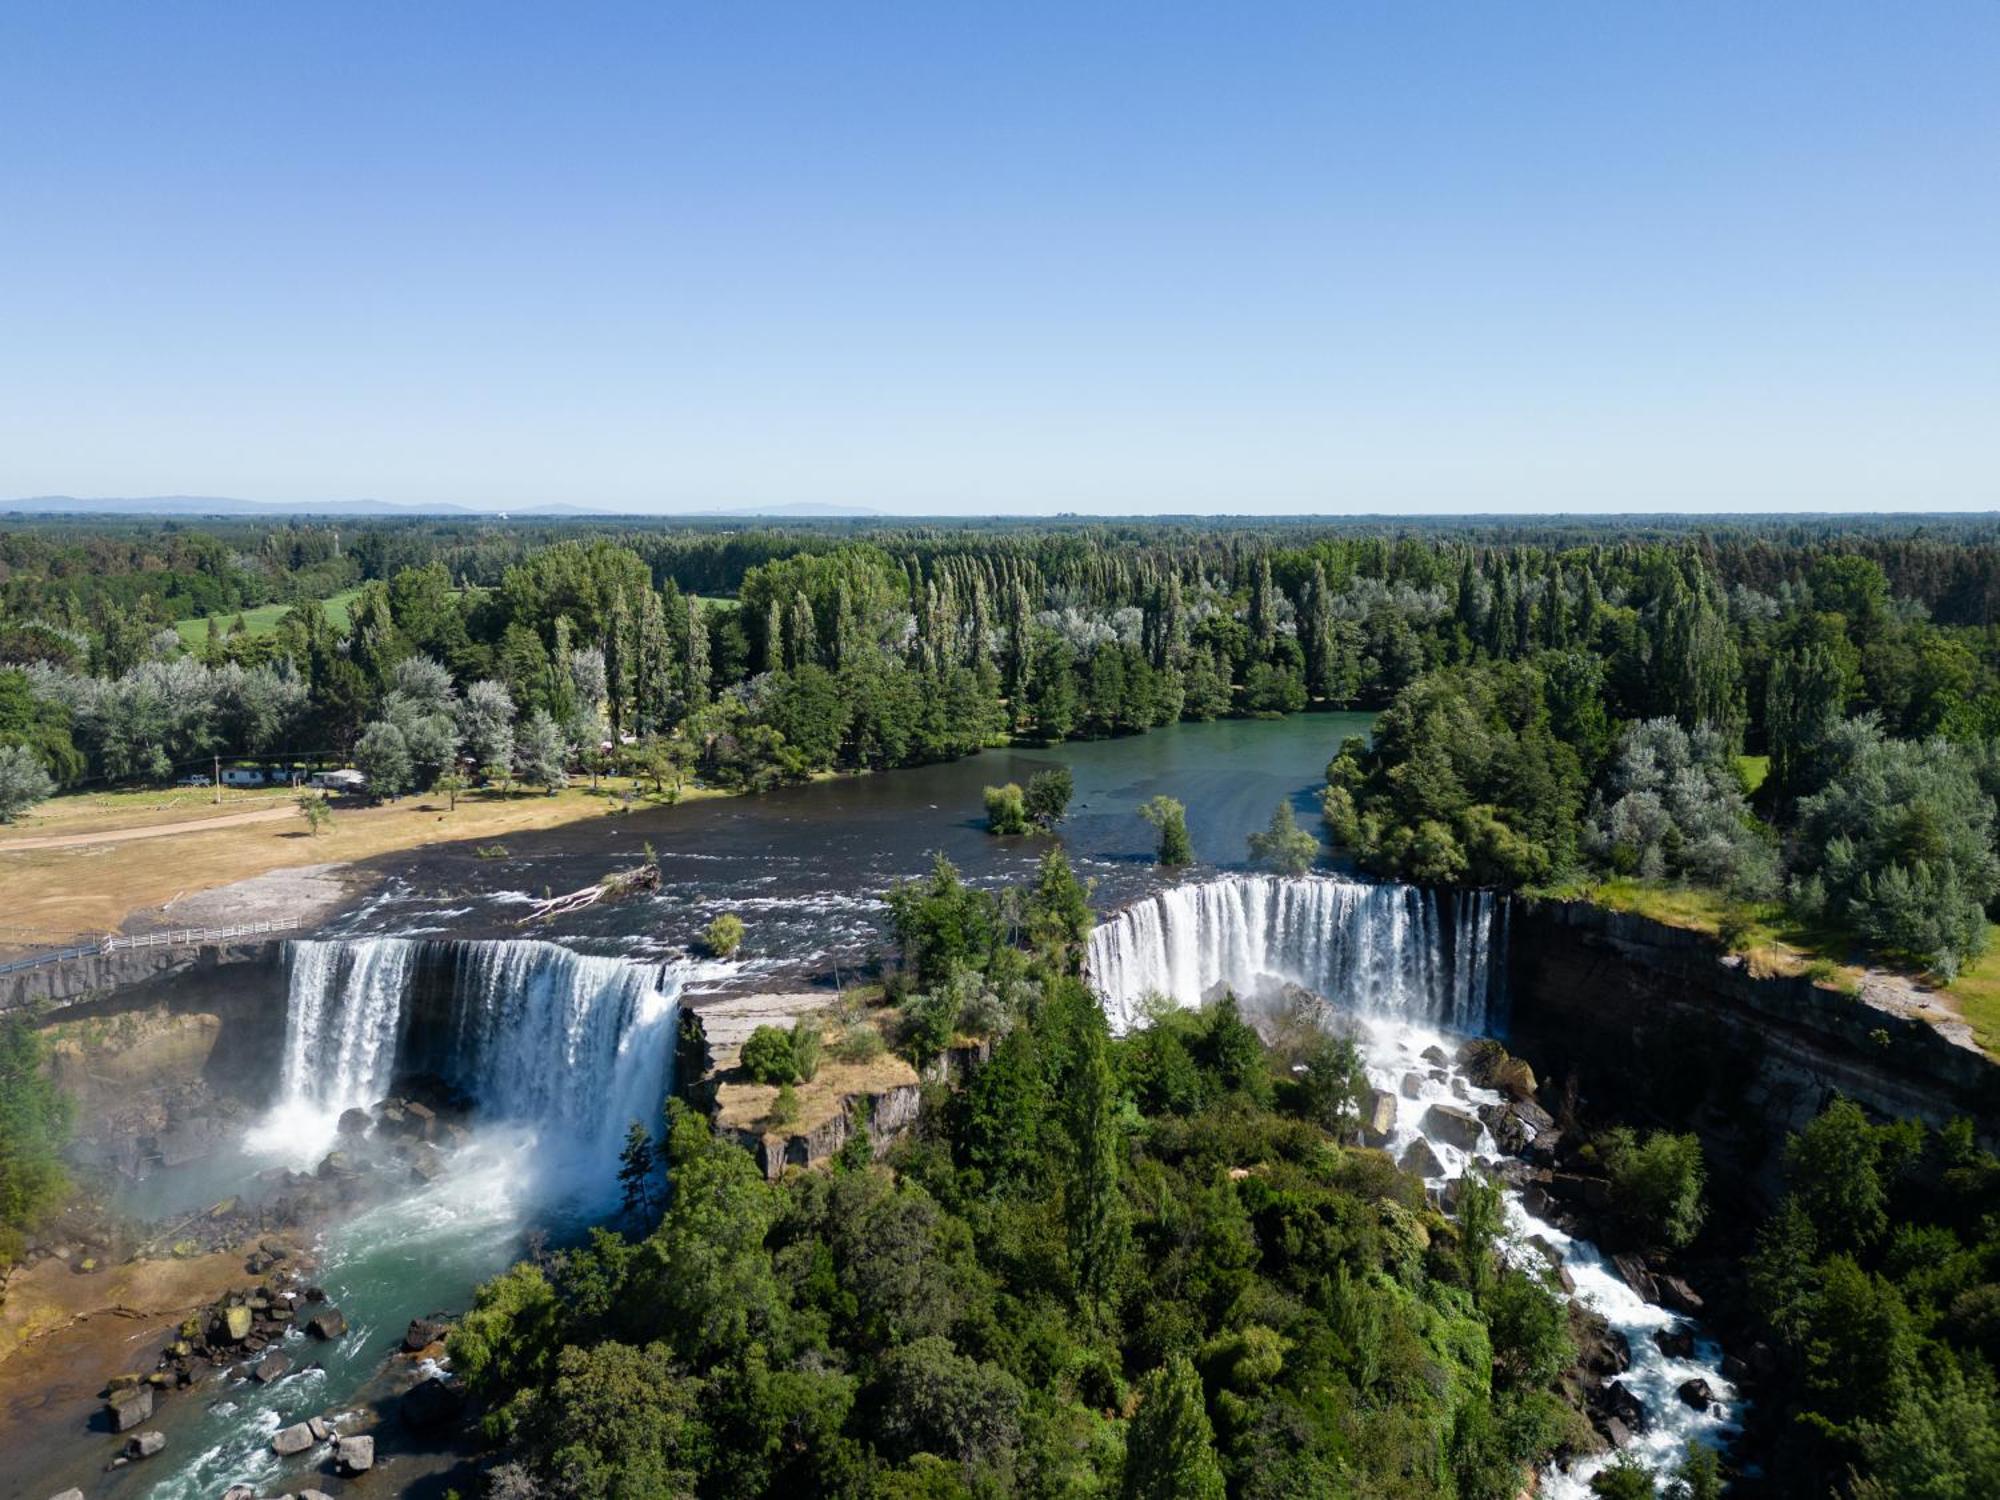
(1416, 974)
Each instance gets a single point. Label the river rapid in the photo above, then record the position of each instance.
(564, 1040)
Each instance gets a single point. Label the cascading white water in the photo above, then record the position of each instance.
(343, 1021)
(1385, 950)
(570, 1046)
(1417, 973)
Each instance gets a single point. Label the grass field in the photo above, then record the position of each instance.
(1755, 769)
(1977, 992)
(50, 895)
(264, 619)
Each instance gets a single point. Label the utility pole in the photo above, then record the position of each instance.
(218, 781)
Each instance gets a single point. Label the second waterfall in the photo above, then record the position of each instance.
(1391, 951)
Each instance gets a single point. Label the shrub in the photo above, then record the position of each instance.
(724, 935)
(767, 1056)
(1006, 810)
(1169, 818)
(806, 1044)
(862, 1044)
(1656, 1185)
(1284, 846)
(785, 1108)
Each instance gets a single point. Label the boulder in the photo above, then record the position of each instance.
(1616, 1432)
(1677, 1294)
(131, 1407)
(321, 1429)
(354, 1455)
(1676, 1342)
(1509, 1134)
(144, 1444)
(1413, 1085)
(421, 1334)
(1378, 1116)
(68, 1494)
(1435, 1057)
(239, 1492)
(1453, 1126)
(1619, 1402)
(1535, 1199)
(336, 1164)
(296, 1438)
(354, 1122)
(236, 1323)
(423, 1119)
(328, 1323)
(271, 1367)
(432, 1404)
(1632, 1271)
(1696, 1393)
(426, 1165)
(1420, 1160)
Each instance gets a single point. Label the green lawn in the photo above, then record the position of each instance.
(1754, 768)
(1977, 993)
(264, 619)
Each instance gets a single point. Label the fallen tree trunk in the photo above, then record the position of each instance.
(620, 885)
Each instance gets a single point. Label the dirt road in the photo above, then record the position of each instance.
(155, 831)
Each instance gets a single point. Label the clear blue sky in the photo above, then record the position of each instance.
(967, 258)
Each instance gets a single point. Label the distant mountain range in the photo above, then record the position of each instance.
(219, 505)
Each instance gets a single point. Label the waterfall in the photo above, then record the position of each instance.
(1388, 951)
(572, 1046)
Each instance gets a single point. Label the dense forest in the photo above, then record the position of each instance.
(1562, 699)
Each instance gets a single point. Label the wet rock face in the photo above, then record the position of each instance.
(327, 1324)
(1453, 1126)
(1378, 1116)
(1697, 1394)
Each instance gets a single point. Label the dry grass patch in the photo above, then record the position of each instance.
(845, 1069)
(51, 895)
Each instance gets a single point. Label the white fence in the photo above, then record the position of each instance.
(179, 937)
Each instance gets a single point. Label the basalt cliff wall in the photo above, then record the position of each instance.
(1660, 1020)
(160, 1048)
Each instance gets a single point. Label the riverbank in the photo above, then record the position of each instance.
(169, 855)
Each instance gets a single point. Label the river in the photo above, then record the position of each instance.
(562, 1048)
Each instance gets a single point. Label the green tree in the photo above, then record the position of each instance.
(618, 1424)
(1284, 846)
(34, 1125)
(510, 1337)
(1170, 1444)
(23, 782)
(1834, 1168)
(314, 809)
(638, 1167)
(1057, 912)
(384, 758)
(541, 755)
(723, 936)
(1048, 796)
(767, 1056)
(1169, 819)
(1656, 1184)
(1623, 1480)
(1006, 810)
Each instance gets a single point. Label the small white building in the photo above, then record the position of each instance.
(340, 781)
(242, 776)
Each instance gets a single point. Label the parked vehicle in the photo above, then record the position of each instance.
(242, 776)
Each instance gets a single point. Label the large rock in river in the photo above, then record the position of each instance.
(1420, 1160)
(355, 1455)
(293, 1439)
(1453, 1126)
(1378, 1116)
(328, 1323)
